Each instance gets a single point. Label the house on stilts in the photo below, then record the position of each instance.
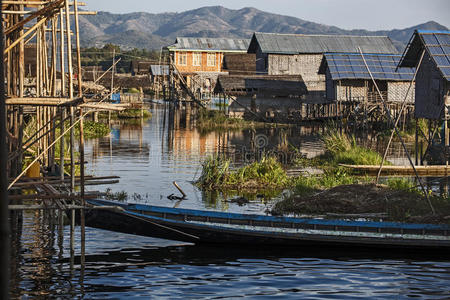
(200, 60)
(299, 54)
(350, 87)
(429, 51)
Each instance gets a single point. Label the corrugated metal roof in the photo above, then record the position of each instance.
(299, 43)
(210, 44)
(437, 45)
(351, 66)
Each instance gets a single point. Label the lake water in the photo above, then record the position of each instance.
(148, 157)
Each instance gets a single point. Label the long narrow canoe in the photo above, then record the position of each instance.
(423, 171)
(198, 226)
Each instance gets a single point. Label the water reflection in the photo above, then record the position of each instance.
(149, 156)
(120, 265)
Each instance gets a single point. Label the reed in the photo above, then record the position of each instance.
(343, 149)
(264, 174)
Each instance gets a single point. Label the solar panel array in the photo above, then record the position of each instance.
(382, 67)
(438, 46)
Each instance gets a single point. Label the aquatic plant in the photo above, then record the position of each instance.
(92, 129)
(209, 120)
(118, 196)
(263, 174)
(133, 113)
(343, 149)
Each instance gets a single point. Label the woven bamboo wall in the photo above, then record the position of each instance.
(397, 91)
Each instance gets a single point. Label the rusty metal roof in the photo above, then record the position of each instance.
(210, 44)
(299, 43)
(437, 45)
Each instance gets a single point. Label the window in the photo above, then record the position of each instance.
(197, 59)
(211, 59)
(182, 58)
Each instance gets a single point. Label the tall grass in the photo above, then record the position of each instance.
(343, 149)
(208, 120)
(263, 174)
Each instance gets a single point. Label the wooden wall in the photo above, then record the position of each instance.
(431, 89)
(190, 68)
(306, 65)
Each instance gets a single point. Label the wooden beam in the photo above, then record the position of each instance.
(45, 101)
(27, 12)
(41, 12)
(34, 3)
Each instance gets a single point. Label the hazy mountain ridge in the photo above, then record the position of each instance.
(152, 31)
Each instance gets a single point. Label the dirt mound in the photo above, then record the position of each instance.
(367, 199)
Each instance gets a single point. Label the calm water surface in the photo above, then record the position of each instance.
(149, 157)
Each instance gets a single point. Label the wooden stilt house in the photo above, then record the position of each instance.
(298, 54)
(432, 94)
(429, 51)
(349, 83)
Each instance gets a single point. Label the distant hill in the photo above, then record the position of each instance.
(152, 31)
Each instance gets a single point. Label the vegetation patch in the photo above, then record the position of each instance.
(342, 149)
(128, 114)
(264, 174)
(210, 120)
(92, 130)
(364, 199)
(133, 114)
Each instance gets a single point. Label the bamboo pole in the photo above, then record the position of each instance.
(4, 224)
(399, 116)
(40, 155)
(77, 30)
(83, 202)
(397, 132)
(61, 145)
(61, 53)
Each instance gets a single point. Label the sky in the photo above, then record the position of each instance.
(346, 14)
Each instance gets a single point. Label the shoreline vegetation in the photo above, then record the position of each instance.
(130, 113)
(334, 191)
(216, 120)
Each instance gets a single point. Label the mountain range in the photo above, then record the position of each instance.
(153, 31)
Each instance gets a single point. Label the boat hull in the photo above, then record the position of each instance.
(192, 227)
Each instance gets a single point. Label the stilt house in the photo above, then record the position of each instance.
(432, 96)
(200, 60)
(298, 54)
(348, 80)
(264, 97)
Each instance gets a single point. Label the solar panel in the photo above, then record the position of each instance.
(430, 39)
(351, 66)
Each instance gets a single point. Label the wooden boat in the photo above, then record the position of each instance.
(423, 171)
(198, 226)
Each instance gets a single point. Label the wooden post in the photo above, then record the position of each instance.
(72, 151)
(417, 142)
(112, 72)
(77, 32)
(4, 224)
(69, 49)
(83, 203)
(61, 52)
(61, 144)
